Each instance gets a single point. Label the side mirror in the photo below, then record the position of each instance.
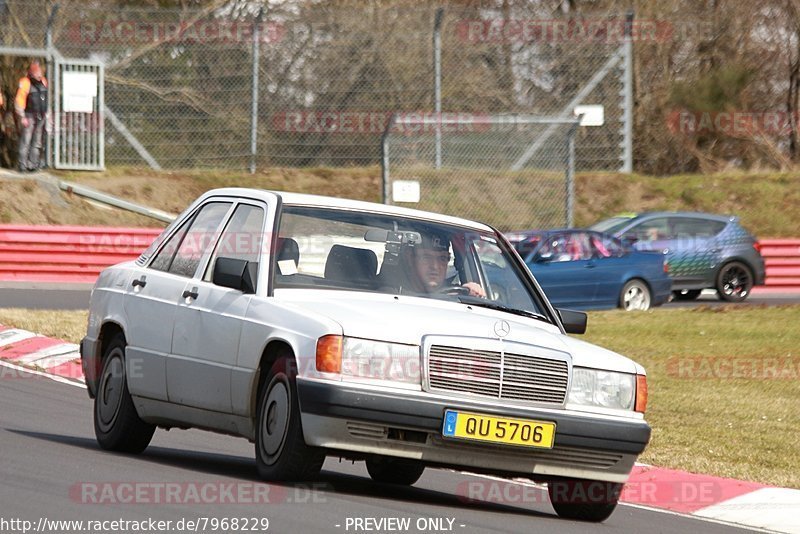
(235, 274)
(547, 257)
(574, 321)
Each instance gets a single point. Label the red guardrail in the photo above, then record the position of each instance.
(782, 258)
(67, 253)
(79, 253)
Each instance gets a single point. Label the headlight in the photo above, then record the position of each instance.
(607, 389)
(363, 358)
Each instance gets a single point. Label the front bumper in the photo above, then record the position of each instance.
(89, 363)
(370, 421)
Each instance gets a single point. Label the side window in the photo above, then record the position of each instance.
(198, 239)
(554, 248)
(606, 246)
(242, 238)
(684, 227)
(163, 259)
(652, 230)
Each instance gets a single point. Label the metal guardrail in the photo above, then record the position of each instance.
(73, 254)
(782, 259)
(105, 198)
(77, 254)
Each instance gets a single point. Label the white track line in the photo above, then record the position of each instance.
(53, 377)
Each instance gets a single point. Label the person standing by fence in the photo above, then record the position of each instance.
(30, 106)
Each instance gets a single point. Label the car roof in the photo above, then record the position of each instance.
(696, 214)
(301, 199)
(524, 234)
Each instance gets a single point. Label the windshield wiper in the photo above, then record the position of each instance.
(483, 303)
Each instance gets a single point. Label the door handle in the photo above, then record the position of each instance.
(140, 282)
(589, 265)
(190, 294)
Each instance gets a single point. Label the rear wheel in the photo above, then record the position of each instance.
(635, 296)
(734, 282)
(117, 426)
(687, 294)
(584, 500)
(398, 471)
(281, 450)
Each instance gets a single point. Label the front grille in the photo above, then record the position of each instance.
(498, 375)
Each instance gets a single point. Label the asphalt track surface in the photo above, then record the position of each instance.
(65, 297)
(52, 468)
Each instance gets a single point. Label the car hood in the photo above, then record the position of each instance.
(406, 319)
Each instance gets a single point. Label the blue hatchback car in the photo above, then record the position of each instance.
(590, 270)
(702, 250)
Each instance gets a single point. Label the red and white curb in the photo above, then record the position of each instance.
(722, 499)
(718, 499)
(30, 350)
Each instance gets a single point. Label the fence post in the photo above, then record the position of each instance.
(571, 173)
(385, 160)
(437, 81)
(627, 90)
(254, 106)
(52, 95)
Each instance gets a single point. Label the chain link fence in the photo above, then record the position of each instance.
(181, 79)
(465, 165)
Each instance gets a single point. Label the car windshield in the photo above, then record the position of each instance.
(611, 226)
(337, 249)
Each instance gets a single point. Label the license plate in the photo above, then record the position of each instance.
(505, 430)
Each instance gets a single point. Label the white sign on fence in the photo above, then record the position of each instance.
(79, 90)
(405, 191)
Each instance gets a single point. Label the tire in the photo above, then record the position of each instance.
(734, 282)
(584, 500)
(281, 451)
(398, 471)
(687, 294)
(117, 426)
(635, 296)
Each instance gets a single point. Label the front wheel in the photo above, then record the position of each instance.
(584, 500)
(635, 296)
(117, 426)
(281, 450)
(398, 471)
(734, 282)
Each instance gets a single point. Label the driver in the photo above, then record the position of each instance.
(427, 266)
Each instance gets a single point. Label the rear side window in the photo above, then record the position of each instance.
(182, 253)
(163, 259)
(652, 230)
(694, 227)
(566, 247)
(605, 246)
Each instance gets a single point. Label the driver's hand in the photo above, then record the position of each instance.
(475, 290)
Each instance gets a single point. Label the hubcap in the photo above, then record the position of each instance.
(275, 420)
(736, 282)
(109, 396)
(636, 298)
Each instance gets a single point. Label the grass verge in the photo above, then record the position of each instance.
(766, 202)
(723, 386)
(723, 382)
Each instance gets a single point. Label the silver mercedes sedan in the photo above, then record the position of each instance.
(317, 326)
